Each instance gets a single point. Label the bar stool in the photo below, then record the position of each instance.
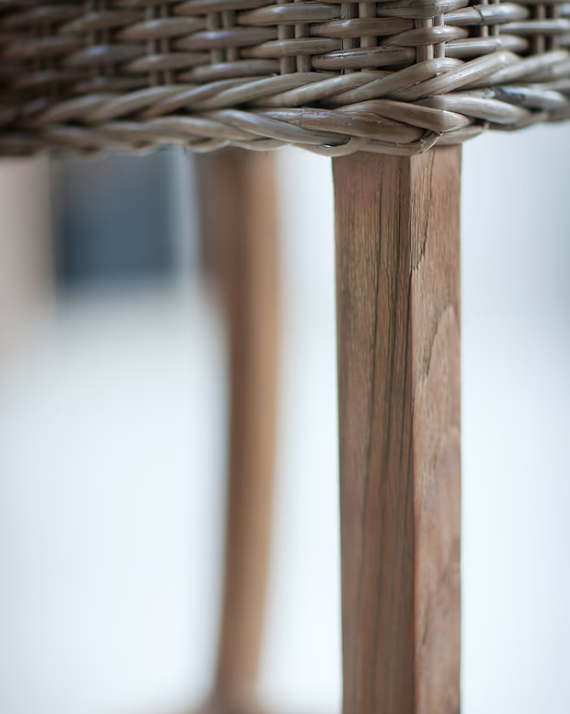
(389, 90)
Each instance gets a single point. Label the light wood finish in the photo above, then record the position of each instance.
(398, 312)
(241, 240)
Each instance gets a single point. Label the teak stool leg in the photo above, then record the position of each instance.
(241, 231)
(398, 313)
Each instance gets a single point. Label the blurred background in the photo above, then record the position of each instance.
(113, 399)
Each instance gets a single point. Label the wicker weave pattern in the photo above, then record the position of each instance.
(334, 77)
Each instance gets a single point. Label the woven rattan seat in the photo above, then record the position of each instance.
(333, 77)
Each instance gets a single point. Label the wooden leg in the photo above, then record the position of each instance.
(240, 228)
(398, 312)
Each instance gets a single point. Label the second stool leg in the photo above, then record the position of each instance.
(398, 314)
(239, 196)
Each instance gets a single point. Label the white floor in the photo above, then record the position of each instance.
(108, 436)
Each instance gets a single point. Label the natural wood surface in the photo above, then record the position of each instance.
(398, 312)
(240, 230)
(26, 260)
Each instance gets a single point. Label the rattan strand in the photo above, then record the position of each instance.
(396, 76)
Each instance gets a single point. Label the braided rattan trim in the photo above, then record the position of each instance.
(396, 76)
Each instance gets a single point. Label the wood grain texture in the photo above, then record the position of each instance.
(239, 196)
(398, 313)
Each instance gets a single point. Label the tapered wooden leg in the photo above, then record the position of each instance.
(239, 196)
(398, 312)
